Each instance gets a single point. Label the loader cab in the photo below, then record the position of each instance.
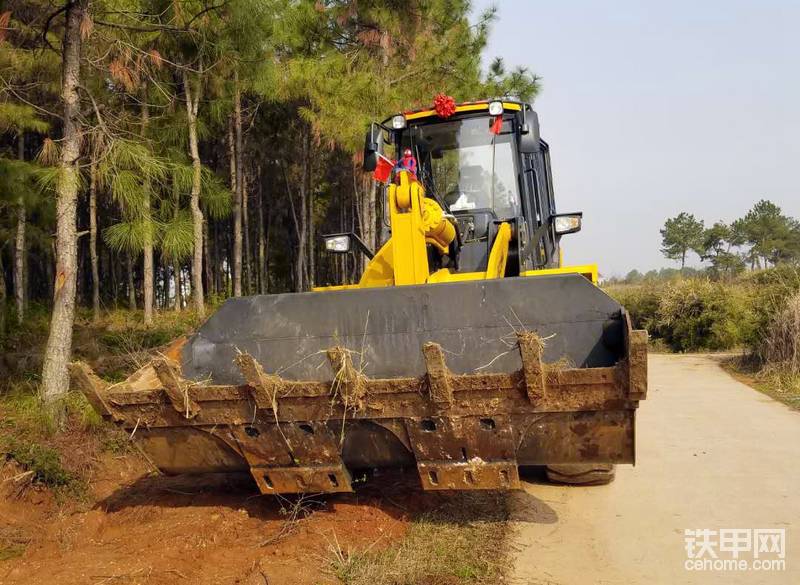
(473, 173)
(485, 165)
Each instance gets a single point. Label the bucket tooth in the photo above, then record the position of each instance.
(176, 388)
(464, 452)
(477, 475)
(264, 388)
(441, 390)
(298, 480)
(94, 389)
(530, 350)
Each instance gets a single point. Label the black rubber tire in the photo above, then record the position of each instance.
(582, 473)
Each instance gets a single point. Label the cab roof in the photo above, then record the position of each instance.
(464, 107)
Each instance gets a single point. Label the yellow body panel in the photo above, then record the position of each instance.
(380, 270)
(587, 270)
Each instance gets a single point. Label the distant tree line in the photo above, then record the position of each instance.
(763, 238)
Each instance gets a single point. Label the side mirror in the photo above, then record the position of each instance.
(344, 243)
(529, 140)
(373, 144)
(567, 223)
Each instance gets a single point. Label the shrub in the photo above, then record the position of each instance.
(697, 314)
(641, 302)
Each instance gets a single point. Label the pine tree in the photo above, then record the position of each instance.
(55, 382)
(681, 234)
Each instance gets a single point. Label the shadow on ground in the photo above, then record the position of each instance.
(396, 493)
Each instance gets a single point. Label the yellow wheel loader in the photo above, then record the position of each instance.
(465, 351)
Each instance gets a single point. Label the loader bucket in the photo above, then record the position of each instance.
(466, 381)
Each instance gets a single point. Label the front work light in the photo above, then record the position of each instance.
(495, 108)
(337, 244)
(347, 242)
(398, 122)
(567, 223)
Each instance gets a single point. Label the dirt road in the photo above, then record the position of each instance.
(712, 453)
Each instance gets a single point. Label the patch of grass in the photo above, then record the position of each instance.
(115, 346)
(460, 542)
(29, 437)
(11, 551)
(43, 461)
(13, 543)
(657, 345)
(62, 458)
(781, 386)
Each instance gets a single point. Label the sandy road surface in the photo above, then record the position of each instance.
(712, 453)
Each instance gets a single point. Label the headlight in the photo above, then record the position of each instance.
(567, 224)
(495, 108)
(337, 244)
(399, 122)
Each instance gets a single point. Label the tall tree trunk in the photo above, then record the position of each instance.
(215, 272)
(93, 239)
(113, 263)
(340, 260)
(19, 244)
(248, 280)
(301, 271)
(366, 211)
(176, 274)
(207, 264)
(241, 193)
(262, 240)
(237, 209)
(192, 105)
(131, 282)
(147, 245)
(55, 379)
(298, 260)
(311, 262)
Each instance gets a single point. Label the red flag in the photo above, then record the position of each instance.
(497, 125)
(383, 170)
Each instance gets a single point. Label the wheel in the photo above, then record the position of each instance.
(582, 473)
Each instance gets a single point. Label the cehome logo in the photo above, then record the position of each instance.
(735, 549)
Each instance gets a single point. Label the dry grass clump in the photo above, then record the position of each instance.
(778, 352)
(348, 382)
(781, 344)
(460, 542)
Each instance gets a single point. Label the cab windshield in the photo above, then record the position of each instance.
(466, 165)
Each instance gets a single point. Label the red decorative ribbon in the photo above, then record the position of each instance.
(444, 105)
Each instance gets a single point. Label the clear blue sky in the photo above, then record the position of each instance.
(653, 108)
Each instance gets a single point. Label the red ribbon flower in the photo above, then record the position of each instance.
(444, 105)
